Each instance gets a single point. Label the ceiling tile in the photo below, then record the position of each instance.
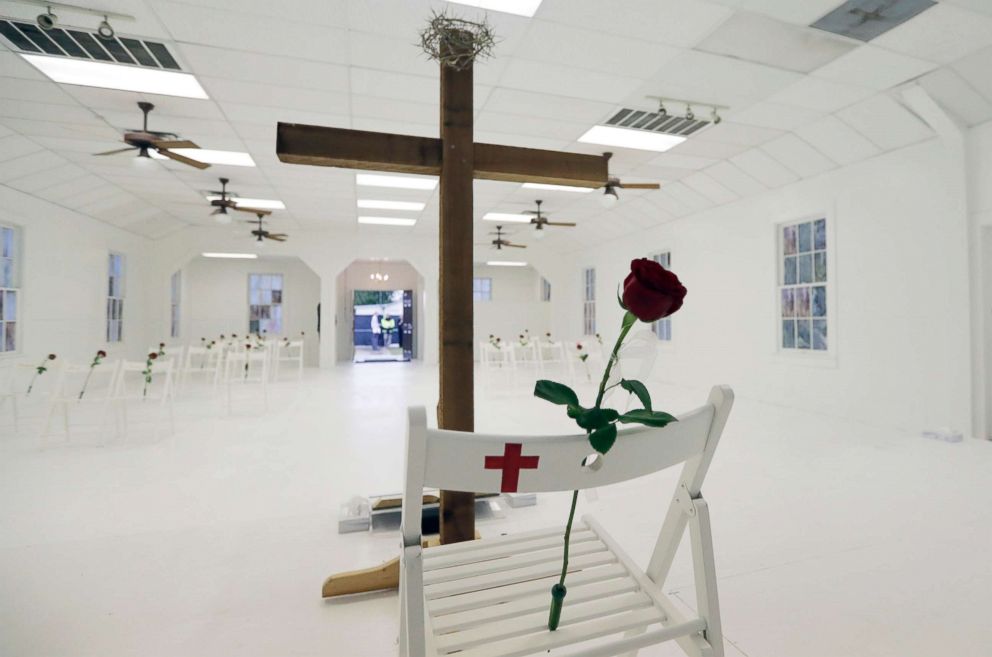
(15, 168)
(821, 95)
(513, 101)
(566, 81)
(775, 115)
(15, 146)
(760, 166)
(246, 66)
(41, 181)
(710, 188)
(941, 34)
(974, 69)
(885, 122)
(680, 161)
(758, 38)
(953, 93)
(874, 67)
(837, 140)
(735, 180)
(688, 197)
(716, 150)
(791, 11)
(738, 133)
(798, 156)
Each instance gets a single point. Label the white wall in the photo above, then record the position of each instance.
(64, 281)
(900, 295)
(215, 299)
(516, 304)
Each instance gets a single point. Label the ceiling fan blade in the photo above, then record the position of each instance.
(119, 150)
(260, 211)
(182, 159)
(278, 237)
(559, 223)
(639, 185)
(515, 246)
(173, 143)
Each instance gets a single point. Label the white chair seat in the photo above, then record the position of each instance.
(489, 598)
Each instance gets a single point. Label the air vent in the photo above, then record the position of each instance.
(668, 124)
(866, 19)
(81, 44)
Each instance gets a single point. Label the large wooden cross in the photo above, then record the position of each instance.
(457, 160)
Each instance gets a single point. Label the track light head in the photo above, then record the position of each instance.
(689, 114)
(104, 30)
(715, 118)
(47, 20)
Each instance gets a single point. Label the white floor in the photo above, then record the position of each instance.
(833, 539)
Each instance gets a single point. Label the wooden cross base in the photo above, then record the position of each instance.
(383, 577)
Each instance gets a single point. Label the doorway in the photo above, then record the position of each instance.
(383, 326)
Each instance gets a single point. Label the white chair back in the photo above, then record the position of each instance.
(201, 361)
(80, 384)
(289, 352)
(134, 384)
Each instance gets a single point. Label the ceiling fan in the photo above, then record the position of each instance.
(610, 196)
(228, 202)
(144, 140)
(499, 242)
(260, 233)
(540, 220)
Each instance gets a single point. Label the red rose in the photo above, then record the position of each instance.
(51, 356)
(651, 292)
(101, 353)
(152, 356)
(578, 346)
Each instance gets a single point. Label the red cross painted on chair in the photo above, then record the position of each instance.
(511, 463)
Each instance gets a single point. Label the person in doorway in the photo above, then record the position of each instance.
(388, 326)
(376, 331)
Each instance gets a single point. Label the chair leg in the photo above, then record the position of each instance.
(708, 606)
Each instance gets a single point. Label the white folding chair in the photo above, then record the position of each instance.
(201, 362)
(555, 356)
(244, 367)
(99, 382)
(132, 389)
(528, 356)
(15, 378)
(490, 597)
(288, 352)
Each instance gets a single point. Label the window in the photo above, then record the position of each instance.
(589, 302)
(9, 288)
(803, 285)
(175, 296)
(663, 327)
(545, 289)
(482, 289)
(115, 298)
(265, 303)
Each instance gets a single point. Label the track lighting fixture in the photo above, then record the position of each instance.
(715, 117)
(662, 109)
(689, 114)
(47, 20)
(104, 30)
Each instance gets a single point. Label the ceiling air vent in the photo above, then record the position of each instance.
(668, 124)
(866, 19)
(83, 44)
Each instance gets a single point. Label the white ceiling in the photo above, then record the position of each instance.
(801, 102)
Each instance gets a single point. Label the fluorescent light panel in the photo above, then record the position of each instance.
(511, 218)
(370, 204)
(606, 135)
(506, 263)
(519, 7)
(387, 221)
(401, 182)
(117, 76)
(558, 188)
(245, 256)
(260, 203)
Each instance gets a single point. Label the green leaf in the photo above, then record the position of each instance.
(602, 439)
(639, 389)
(556, 393)
(592, 419)
(647, 418)
(629, 319)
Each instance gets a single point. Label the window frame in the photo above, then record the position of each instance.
(281, 304)
(175, 303)
(813, 357)
(545, 290)
(14, 287)
(110, 299)
(478, 289)
(588, 301)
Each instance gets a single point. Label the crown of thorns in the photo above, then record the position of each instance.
(456, 42)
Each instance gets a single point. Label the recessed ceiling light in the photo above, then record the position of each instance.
(506, 263)
(116, 76)
(260, 203)
(606, 135)
(558, 188)
(519, 7)
(390, 205)
(387, 221)
(247, 256)
(511, 218)
(402, 182)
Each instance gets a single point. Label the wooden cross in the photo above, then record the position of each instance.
(457, 160)
(511, 463)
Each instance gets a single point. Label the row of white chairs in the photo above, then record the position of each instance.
(199, 362)
(536, 356)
